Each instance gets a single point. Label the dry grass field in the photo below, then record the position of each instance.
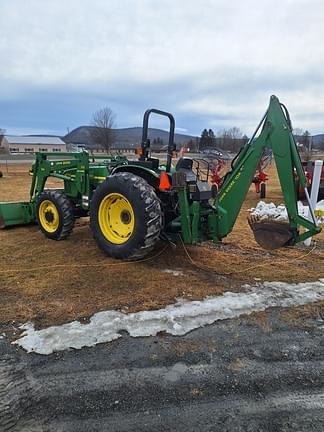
(50, 282)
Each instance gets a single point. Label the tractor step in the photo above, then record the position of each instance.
(16, 213)
(271, 234)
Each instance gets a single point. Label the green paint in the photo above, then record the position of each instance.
(185, 215)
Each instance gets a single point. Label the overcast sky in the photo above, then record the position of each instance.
(213, 63)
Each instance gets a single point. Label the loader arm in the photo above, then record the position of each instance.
(274, 132)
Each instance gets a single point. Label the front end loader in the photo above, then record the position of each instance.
(134, 203)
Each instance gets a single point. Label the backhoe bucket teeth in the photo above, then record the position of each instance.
(16, 213)
(271, 234)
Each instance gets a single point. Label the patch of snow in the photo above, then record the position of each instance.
(269, 211)
(174, 272)
(175, 319)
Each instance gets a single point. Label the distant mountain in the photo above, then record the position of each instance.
(126, 137)
(131, 137)
(318, 140)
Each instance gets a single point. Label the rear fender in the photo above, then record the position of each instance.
(152, 177)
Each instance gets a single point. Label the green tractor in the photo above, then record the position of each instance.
(134, 203)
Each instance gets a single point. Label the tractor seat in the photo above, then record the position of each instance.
(185, 165)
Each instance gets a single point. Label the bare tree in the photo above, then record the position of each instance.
(235, 133)
(306, 140)
(102, 132)
(231, 139)
(298, 132)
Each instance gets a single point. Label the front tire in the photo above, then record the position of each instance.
(54, 214)
(125, 216)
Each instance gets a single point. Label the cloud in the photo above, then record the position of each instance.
(214, 64)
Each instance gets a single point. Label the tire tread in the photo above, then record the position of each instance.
(63, 203)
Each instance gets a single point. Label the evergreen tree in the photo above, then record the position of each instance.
(306, 140)
(207, 139)
(212, 138)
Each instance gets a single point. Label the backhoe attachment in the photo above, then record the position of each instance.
(273, 132)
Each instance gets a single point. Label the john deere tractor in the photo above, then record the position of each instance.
(133, 203)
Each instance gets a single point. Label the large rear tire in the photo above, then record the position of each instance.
(125, 216)
(54, 214)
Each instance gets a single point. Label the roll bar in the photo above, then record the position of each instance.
(146, 142)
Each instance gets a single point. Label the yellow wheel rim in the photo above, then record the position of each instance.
(116, 218)
(49, 217)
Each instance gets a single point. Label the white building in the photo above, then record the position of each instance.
(32, 144)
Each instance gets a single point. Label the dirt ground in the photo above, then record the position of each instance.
(50, 282)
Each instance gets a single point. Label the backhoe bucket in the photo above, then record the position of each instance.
(271, 234)
(16, 213)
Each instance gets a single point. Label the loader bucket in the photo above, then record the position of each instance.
(16, 213)
(270, 234)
